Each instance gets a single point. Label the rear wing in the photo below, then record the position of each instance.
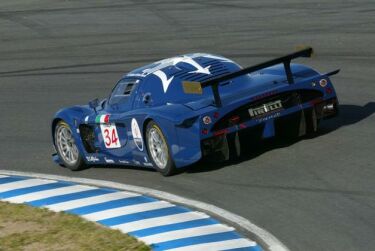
(196, 87)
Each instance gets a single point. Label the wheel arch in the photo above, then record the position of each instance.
(181, 153)
(73, 117)
(144, 127)
(53, 128)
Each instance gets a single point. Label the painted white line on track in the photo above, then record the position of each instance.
(185, 233)
(68, 205)
(126, 210)
(263, 237)
(48, 193)
(219, 245)
(160, 221)
(24, 184)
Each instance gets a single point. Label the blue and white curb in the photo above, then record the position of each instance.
(159, 223)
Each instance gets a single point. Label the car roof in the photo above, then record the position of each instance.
(184, 66)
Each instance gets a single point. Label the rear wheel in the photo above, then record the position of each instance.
(312, 121)
(158, 149)
(67, 148)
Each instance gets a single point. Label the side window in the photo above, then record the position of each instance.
(122, 91)
(150, 93)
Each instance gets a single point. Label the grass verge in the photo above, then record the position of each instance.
(27, 228)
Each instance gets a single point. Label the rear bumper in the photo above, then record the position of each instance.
(286, 123)
(320, 104)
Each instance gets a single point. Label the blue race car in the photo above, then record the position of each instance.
(173, 112)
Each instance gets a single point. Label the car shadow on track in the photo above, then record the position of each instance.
(349, 115)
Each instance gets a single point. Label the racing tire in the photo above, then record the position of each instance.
(66, 147)
(158, 150)
(312, 121)
(234, 146)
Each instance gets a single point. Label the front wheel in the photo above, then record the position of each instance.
(67, 148)
(158, 150)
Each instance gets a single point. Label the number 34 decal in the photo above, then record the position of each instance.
(110, 136)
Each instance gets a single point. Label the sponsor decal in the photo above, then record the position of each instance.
(92, 158)
(146, 163)
(102, 119)
(137, 135)
(136, 162)
(207, 120)
(269, 117)
(124, 161)
(86, 119)
(110, 136)
(109, 160)
(265, 108)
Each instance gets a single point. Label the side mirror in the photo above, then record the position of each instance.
(94, 103)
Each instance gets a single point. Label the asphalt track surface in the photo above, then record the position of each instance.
(317, 193)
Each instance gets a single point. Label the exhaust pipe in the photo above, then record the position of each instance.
(329, 108)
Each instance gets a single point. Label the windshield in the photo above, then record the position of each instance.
(122, 91)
